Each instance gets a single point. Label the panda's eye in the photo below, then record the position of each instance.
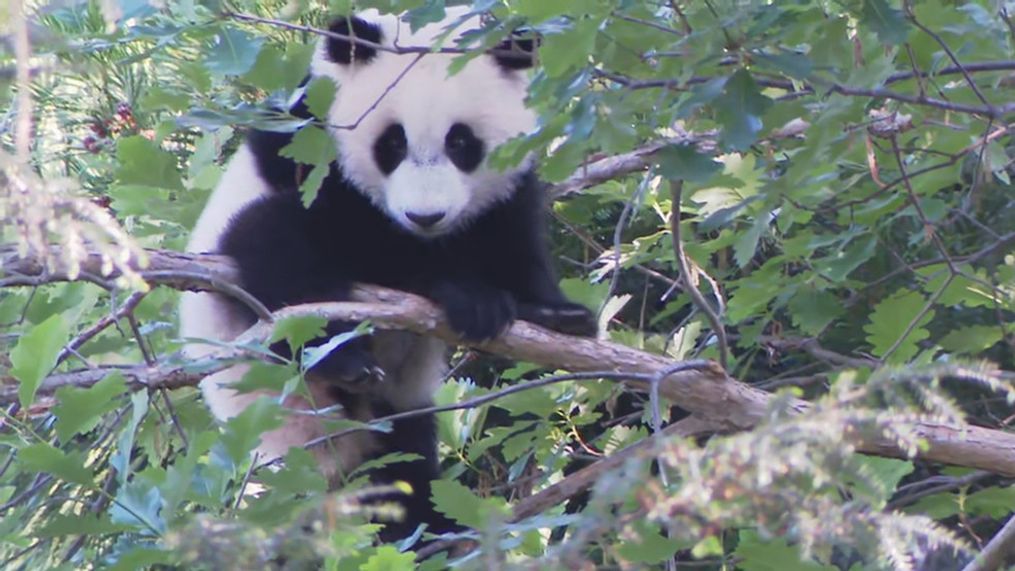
(390, 148)
(463, 147)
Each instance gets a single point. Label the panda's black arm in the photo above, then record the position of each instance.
(281, 264)
(501, 270)
(529, 273)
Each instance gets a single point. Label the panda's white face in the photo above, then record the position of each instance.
(414, 139)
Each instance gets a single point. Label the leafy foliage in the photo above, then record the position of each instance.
(846, 210)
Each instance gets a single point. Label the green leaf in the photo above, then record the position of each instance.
(311, 145)
(243, 431)
(888, 23)
(891, 318)
(813, 309)
(739, 109)
(747, 243)
(755, 554)
(143, 163)
(120, 459)
(460, 504)
(392, 458)
(560, 53)
(685, 163)
(233, 52)
(298, 330)
(839, 265)
(61, 525)
(886, 472)
(35, 356)
(652, 547)
(298, 475)
(79, 410)
(536, 11)
(994, 502)
(319, 96)
(387, 558)
(45, 457)
(138, 504)
(971, 340)
(312, 184)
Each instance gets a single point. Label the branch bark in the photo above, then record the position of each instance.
(723, 403)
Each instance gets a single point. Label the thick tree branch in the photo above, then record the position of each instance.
(707, 392)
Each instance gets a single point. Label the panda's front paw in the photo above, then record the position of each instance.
(477, 312)
(352, 363)
(564, 317)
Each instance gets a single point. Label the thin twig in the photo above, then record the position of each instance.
(676, 191)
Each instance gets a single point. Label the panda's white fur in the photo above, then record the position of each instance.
(420, 94)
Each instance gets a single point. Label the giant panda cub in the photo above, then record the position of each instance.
(410, 203)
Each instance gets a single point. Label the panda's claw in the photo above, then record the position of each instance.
(563, 317)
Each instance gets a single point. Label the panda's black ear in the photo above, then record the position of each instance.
(344, 51)
(516, 52)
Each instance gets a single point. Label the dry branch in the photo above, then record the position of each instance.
(715, 399)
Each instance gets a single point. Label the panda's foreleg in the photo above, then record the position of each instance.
(281, 263)
(527, 273)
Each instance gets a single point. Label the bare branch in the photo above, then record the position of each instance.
(999, 549)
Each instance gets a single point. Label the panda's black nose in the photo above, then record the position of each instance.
(425, 220)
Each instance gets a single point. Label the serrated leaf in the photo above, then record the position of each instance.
(739, 109)
(392, 458)
(535, 10)
(839, 265)
(387, 558)
(143, 163)
(971, 340)
(120, 459)
(776, 554)
(813, 309)
(889, 321)
(994, 502)
(684, 162)
(888, 23)
(79, 410)
(44, 457)
(35, 356)
(312, 184)
(319, 96)
(560, 53)
(138, 504)
(233, 52)
(60, 525)
(298, 330)
(299, 474)
(747, 243)
(243, 431)
(886, 472)
(311, 145)
(651, 547)
(460, 504)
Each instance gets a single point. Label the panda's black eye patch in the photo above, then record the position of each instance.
(463, 147)
(390, 148)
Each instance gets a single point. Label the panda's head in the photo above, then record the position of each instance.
(413, 137)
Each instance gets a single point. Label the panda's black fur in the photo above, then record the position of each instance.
(490, 269)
